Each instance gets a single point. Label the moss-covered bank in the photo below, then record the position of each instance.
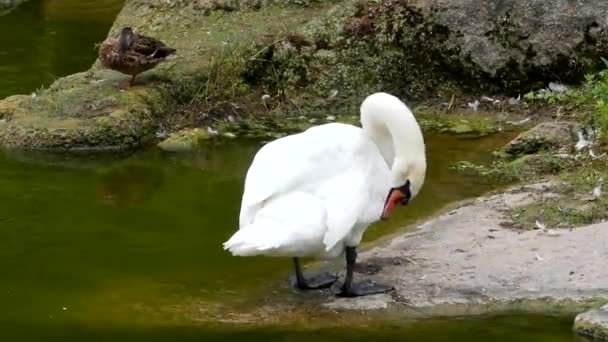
(89, 111)
(251, 58)
(571, 154)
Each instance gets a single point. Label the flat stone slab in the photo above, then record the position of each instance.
(465, 258)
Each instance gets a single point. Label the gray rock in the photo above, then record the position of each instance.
(514, 41)
(374, 302)
(593, 323)
(464, 262)
(421, 47)
(544, 136)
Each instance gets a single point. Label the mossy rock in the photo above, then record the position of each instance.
(542, 137)
(416, 49)
(534, 165)
(88, 111)
(186, 140)
(458, 123)
(462, 128)
(82, 111)
(593, 323)
(312, 56)
(10, 104)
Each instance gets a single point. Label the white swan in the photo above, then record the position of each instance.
(314, 194)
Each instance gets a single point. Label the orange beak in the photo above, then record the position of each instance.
(395, 197)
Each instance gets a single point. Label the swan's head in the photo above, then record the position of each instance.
(394, 129)
(407, 179)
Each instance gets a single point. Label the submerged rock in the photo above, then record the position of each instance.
(462, 128)
(544, 136)
(185, 140)
(593, 323)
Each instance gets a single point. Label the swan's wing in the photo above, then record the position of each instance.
(302, 161)
(345, 201)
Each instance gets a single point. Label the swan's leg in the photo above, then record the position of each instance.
(318, 281)
(362, 289)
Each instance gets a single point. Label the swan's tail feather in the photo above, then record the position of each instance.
(290, 225)
(256, 239)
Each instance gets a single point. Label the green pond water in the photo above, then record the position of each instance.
(45, 39)
(114, 247)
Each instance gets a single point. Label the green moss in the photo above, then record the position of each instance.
(569, 202)
(594, 94)
(273, 127)
(574, 204)
(478, 125)
(531, 167)
(186, 140)
(336, 59)
(589, 101)
(87, 110)
(84, 110)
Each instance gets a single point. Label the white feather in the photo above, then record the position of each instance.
(473, 105)
(597, 191)
(540, 225)
(582, 142)
(313, 193)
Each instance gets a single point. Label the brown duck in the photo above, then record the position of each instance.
(133, 53)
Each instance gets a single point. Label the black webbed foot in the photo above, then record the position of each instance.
(360, 289)
(317, 281)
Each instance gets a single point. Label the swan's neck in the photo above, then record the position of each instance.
(394, 129)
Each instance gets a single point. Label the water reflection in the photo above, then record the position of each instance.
(45, 39)
(128, 185)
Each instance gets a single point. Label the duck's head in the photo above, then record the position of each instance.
(126, 38)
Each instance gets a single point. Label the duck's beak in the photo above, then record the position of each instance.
(395, 197)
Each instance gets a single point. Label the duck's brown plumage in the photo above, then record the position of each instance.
(132, 53)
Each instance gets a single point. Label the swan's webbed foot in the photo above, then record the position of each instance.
(361, 289)
(364, 289)
(319, 281)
